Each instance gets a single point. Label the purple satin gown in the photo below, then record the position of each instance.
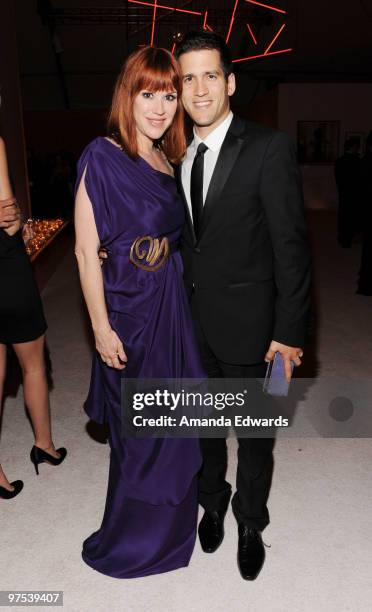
(149, 523)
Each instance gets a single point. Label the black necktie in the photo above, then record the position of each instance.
(196, 187)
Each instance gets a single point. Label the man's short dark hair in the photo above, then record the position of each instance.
(201, 39)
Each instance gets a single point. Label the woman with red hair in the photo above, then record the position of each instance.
(127, 203)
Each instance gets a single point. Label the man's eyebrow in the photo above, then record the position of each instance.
(190, 74)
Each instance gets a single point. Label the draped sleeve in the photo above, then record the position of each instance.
(95, 165)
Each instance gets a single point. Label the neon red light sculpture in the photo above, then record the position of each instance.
(267, 51)
(267, 6)
(251, 33)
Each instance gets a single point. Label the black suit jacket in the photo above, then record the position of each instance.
(249, 272)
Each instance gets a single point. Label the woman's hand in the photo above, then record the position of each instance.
(110, 348)
(14, 227)
(27, 233)
(10, 216)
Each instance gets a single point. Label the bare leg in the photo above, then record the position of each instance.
(35, 387)
(4, 482)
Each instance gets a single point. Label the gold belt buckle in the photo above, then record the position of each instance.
(155, 255)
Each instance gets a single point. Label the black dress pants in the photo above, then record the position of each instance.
(255, 455)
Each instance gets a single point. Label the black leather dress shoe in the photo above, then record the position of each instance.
(251, 552)
(211, 530)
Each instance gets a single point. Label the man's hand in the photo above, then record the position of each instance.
(289, 353)
(9, 213)
(102, 254)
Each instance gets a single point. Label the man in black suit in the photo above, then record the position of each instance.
(247, 266)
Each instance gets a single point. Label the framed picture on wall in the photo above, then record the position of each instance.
(318, 141)
(360, 137)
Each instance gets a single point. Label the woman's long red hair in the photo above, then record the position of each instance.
(154, 70)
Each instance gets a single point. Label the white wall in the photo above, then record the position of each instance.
(349, 103)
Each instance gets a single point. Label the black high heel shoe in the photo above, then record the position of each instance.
(38, 455)
(6, 494)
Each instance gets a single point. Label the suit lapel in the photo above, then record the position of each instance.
(229, 153)
(189, 223)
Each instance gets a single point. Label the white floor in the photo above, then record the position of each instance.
(320, 503)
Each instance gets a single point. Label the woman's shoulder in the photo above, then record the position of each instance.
(96, 155)
(94, 147)
(102, 150)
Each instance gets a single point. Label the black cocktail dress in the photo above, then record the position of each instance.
(21, 311)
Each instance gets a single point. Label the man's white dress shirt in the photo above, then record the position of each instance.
(214, 142)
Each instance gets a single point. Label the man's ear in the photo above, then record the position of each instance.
(231, 84)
